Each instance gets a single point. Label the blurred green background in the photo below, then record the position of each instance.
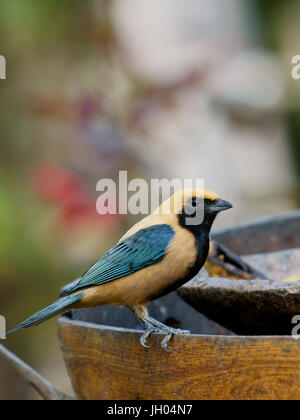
(160, 89)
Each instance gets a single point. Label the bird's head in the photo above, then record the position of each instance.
(193, 206)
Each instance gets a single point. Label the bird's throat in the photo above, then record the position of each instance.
(201, 234)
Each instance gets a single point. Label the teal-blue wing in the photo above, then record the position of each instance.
(146, 247)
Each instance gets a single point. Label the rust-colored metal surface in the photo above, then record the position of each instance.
(266, 235)
(110, 363)
(251, 307)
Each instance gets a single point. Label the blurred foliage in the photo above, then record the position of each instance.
(293, 123)
(34, 16)
(267, 13)
(29, 255)
(44, 115)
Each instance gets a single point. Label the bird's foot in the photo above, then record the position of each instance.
(162, 329)
(169, 333)
(143, 339)
(154, 326)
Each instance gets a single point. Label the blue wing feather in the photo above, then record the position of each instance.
(146, 247)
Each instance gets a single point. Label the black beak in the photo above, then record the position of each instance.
(219, 205)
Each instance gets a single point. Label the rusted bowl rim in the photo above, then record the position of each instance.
(275, 286)
(259, 223)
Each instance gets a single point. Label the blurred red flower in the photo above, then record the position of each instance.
(69, 192)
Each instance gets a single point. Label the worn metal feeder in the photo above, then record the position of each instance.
(257, 306)
(106, 361)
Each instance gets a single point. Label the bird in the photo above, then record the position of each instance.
(155, 257)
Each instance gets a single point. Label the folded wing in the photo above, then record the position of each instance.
(146, 247)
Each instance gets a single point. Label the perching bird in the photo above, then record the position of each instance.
(156, 256)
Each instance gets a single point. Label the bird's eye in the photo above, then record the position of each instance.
(194, 201)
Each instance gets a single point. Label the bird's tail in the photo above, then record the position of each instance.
(48, 312)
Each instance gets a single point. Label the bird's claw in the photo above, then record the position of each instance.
(169, 332)
(164, 343)
(143, 339)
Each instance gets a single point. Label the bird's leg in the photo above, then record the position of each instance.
(169, 331)
(152, 325)
(149, 330)
(164, 327)
(142, 313)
